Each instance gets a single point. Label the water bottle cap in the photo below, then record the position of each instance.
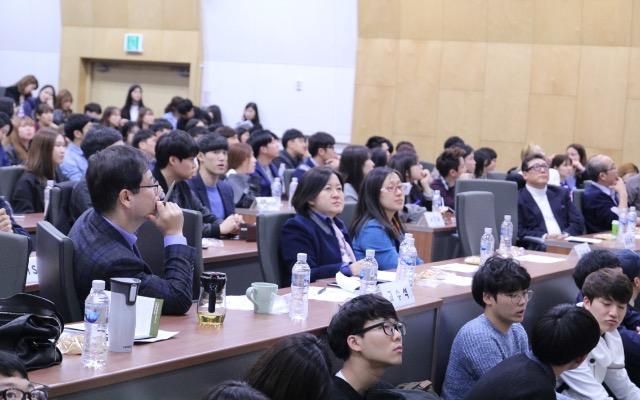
(302, 256)
(507, 218)
(436, 192)
(410, 240)
(97, 284)
(277, 180)
(487, 230)
(370, 253)
(294, 179)
(633, 208)
(408, 235)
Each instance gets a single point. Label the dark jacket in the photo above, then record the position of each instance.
(596, 208)
(28, 194)
(265, 183)
(304, 166)
(226, 193)
(448, 195)
(530, 219)
(17, 229)
(286, 159)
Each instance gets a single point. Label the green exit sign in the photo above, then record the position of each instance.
(133, 43)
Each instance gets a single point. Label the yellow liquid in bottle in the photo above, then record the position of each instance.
(210, 319)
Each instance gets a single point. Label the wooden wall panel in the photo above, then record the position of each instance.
(465, 20)
(144, 14)
(510, 21)
(633, 91)
(379, 19)
(373, 111)
(606, 23)
(180, 15)
(76, 13)
(554, 69)
(460, 114)
(463, 65)
(558, 22)
(553, 118)
(110, 14)
(421, 19)
(635, 24)
(377, 62)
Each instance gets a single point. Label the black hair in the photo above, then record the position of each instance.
(482, 160)
(405, 146)
(449, 159)
(402, 162)
(376, 141)
(525, 162)
(607, 284)
(11, 365)
(320, 140)
(7, 105)
(295, 367)
(453, 141)
(369, 207)
(192, 124)
(290, 134)
(141, 136)
(217, 115)
(311, 184)
(352, 160)
(43, 108)
(593, 261)
(225, 131)
(352, 316)
(260, 139)
(499, 275)
(160, 123)
(99, 137)
(379, 157)
(256, 118)
(125, 111)
(198, 131)
(176, 143)
(559, 159)
(111, 170)
(491, 152)
(234, 390)
(215, 126)
(184, 106)
(466, 149)
(75, 122)
(564, 333)
(581, 152)
(212, 142)
(5, 120)
(93, 107)
(173, 105)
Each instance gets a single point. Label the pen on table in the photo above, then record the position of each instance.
(324, 289)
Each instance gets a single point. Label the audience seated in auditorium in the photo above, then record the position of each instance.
(212, 191)
(491, 155)
(5, 128)
(228, 133)
(405, 146)
(514, 175)
(501, 287)
(376, 224)
(14, 381)
(245, 185)
(316, 229)
(379, 157)
(111, 118)
(450, 164)
(251, 115)
(294, 148)
(545, 211)
(74, 164)
(295, 367)
(124, 195)
(22, 90)
(453, 141)
(627, 171)
(93, 111)
(19, 140)
(367, 334)
(175, 153)
(171, 113)
(145, 118)
(469, 161)
(265, 150)
(44, 117)
(161, 126)
(47, 95)
(562, 164)
(9, 225)
(560, 341)
(412, 173)
(605, 197)
(633, 191)
(188, 111)
(145, 141)
(355, 164)
(382, 142)
(578, 156)
(132, 104)
(43, 164)
(322, 151)
(62, 107)
(606, 294)
(234, 390)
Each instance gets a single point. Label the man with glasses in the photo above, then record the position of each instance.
(125, 195)
(501, 287)
(14, 382)
(545, 211)
(366, 334)
(322, 151)
(450, 164)
(605, 197)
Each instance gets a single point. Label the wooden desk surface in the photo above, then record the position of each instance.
(428, 238)
(242, 332)
(564, 246)
(29, 221)
(232, 250)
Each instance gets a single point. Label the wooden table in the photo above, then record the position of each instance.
(564, 246)
(198, 358)
(239, 260)
(30, 221)
(434, 244)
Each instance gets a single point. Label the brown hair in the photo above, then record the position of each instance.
(22, 151)
(141, 113)
(40, 160)
(64, 96)
(26, 81)
(238, 153)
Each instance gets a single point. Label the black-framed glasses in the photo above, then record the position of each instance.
(388, 328)
(17, 394)
(538, 167)
(154, 185)
(516, 298)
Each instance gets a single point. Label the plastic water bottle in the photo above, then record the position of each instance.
(487, 245)
(506, 233)
(300, 277)
(407, 260)
(632, 219)
(436, 201)
(292, 188)
(96, 318)
(623, 223)
(276, 190)
(369, 273)
(47, 195)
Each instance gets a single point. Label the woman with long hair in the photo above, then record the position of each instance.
(45, 156)
(111, 118)
(62, 107)
(145, 118)
(251, 114)
(19, 140)
(578, 156)
(22, 90)
(132, 104)
(355, 164)
(412, 172)
(47, 95)
(242, 164)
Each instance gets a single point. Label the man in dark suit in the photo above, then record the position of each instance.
(9, 225)
(545, 211)
(266, 148)
(605, 197)
(125, 195)
(322, 151)
(213, 192)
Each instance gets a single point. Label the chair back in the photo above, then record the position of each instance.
(505, 200)
(15, 261)
(497, 175)
(269, 226)
(55, 271)
(586, 184)
(429, 166)
(288, 174)
(8, 178)
(348, 212)
(474, 212)
(150, 244)
(59, 213)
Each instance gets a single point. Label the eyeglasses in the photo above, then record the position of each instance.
(393, 189)
(538, 167)
(516, 298)
(388, 328)
(154, 185)
(613, 166)
(17, 394)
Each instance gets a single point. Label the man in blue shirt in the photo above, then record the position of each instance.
(74, 164)
(266, 148)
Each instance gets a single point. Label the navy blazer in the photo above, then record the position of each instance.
(530, 219)
(101, 252)
(306, 165)
(226, 193)
(596, 208)
(265, 184)
(302, 234)
(17, 229)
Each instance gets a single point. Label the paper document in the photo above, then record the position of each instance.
(459, 280)
(539, 259)
(332, 294)
(583, 240)
(457, 267)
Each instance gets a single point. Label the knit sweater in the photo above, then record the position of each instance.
(478, 347)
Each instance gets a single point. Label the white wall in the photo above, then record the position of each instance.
(30, 32)
(257, 50)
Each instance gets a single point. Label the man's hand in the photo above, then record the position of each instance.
(557, 236)
(5, 221)
(333, 163)
(231, 225)
(169, 218)
(355, 268)
(620, 187)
